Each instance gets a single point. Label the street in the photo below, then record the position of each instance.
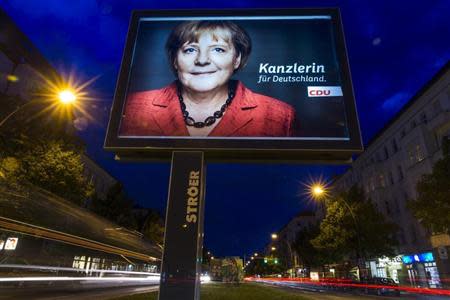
(50, 293)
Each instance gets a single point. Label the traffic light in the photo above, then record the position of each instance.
(265, 260)
(276, 261)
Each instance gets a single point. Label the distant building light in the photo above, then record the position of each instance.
(12, 78)
(11, 243)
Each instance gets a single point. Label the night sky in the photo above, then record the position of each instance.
(394, 48)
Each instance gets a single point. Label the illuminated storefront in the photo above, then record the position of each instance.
(387, 267)
(418, 270)
(422, 270)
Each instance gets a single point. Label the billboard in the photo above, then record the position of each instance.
(255, 83)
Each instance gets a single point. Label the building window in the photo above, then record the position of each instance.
(78, 262)
(413, 124)
(400, 172)
(382, 180)
(391, 177)
(372, 183)
(415, 153)
(386, 153)
(406, 197)
(423, 118)
(436, 107)
(397, 206)
(403, 133)
(394, 145)
(419, 153)
(388, 209)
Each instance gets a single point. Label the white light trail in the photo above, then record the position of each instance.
(50, 268)
(104, 279)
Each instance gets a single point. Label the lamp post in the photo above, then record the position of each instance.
(319, 191)
(274, 237)
(65, 97)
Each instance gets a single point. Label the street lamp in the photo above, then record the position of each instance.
(317, 190)
(65, 97)
(290, 260)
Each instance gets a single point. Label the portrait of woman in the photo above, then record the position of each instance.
(204, 101)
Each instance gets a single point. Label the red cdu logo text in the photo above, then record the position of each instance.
(324, 91)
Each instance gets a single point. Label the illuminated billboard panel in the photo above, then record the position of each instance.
(264, 80)
(11, 243)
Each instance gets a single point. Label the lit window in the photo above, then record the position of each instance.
(382, 181)
(419, 153)
(415, 153)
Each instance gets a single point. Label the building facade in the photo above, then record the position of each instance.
(388, 170)
(284, 242)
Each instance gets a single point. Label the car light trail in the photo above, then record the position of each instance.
(298, 282)
(50, 268)
(103, 279)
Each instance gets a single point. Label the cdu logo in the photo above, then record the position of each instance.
(324, 91)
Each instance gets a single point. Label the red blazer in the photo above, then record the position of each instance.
(158, 113)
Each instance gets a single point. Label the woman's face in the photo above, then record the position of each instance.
(209, 63)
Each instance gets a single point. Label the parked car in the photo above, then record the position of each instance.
(381, 286)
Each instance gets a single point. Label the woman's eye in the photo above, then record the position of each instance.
(189, 50)
(219, 50)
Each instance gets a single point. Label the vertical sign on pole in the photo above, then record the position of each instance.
(183, 240)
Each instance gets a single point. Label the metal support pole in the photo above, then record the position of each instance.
(183, 239)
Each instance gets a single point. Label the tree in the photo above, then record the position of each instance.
(364, 234)
(56, 167)
(153, 227)
(308, 255)
(432, 206)
(116, 207)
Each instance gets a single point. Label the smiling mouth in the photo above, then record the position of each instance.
(203, 73)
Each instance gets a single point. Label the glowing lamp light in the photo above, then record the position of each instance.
(273, 248)
(274, 236)
(67, 96)
(317, 190)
